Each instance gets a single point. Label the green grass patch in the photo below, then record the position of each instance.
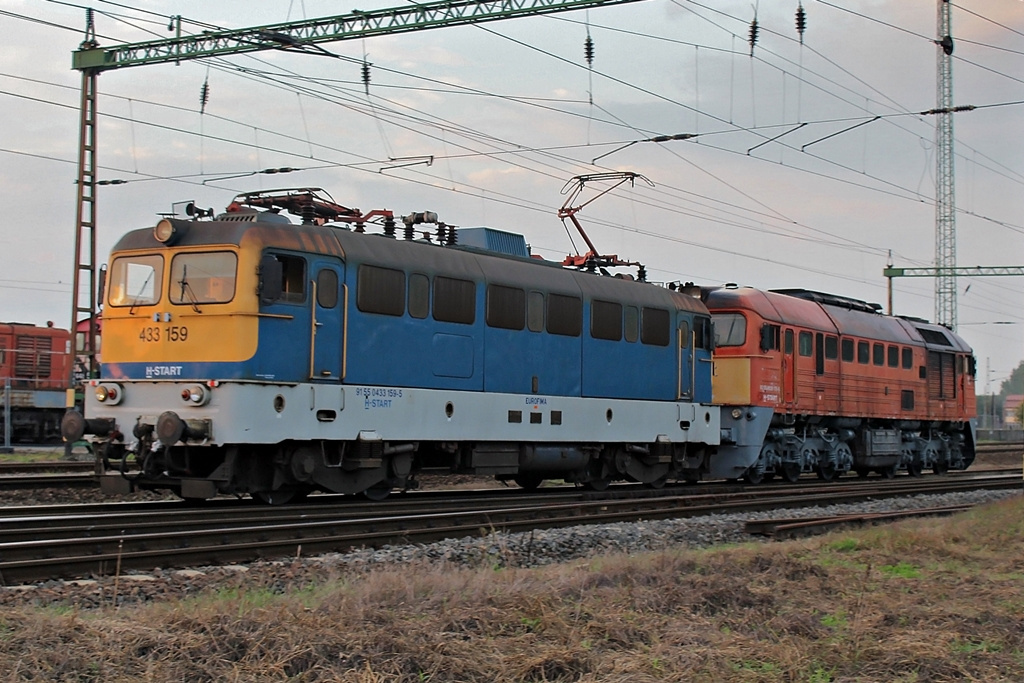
(844, 545)
(903, 570)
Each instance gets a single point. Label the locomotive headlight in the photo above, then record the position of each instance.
(109, 394)
(195, 395)
(169, 230)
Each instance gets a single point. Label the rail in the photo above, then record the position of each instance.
(41, 546)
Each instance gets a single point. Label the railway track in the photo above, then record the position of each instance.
(65, 467)
(793, 527)
(1001, 449)
(43, 543)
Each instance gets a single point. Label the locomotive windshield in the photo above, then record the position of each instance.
(203, 278)
(135, 280)
(730, 329)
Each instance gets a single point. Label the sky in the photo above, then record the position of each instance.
(810, 163)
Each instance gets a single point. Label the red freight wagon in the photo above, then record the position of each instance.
(33, 378)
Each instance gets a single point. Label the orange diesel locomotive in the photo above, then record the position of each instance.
(827, 384)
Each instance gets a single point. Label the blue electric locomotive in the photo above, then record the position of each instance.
(248, 354)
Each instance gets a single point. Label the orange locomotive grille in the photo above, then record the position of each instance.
(32, 357)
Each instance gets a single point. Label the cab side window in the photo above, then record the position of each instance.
(380, 290)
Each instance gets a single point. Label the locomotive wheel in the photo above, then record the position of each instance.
(377, 492)
(598, 484)
(529, 482)
(940, 467)
(791, 472)
(826, 472)
(756, 473)
(914, 468)
(888, 472)
(862, 472)
(658, 483)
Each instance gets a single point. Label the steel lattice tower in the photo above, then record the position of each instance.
(945, 182)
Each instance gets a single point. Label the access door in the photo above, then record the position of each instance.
(788, 367)
(684, 339)
(327, 320)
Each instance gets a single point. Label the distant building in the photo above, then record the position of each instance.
(1010, 406)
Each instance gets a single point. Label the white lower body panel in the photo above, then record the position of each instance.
(251, 413)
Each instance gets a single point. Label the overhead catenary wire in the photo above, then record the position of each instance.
(695, 108)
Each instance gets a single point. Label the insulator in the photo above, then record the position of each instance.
(90, 29)
(389, 227)
(453, 236)
(752, 39)
(801, 22)
(588, 50)
(204, 96)
(440, 233)
(641, 273)
(366, 76)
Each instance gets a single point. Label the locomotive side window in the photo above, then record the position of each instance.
(535, 311)
(878, 354)
(380, 290)
(327, 288)
(908, 358)
(832, 347)
(894, 356)
(454, 300)
(654, 327)
(79, 345)
(606, 320)
(730, 329)
(684, 334)
(136, 280)
(863, 352)
(788, 344)
(565, 315)
(702, 335)
(806, 342)
(632, 324)
(770, 337)
(204, 278)
(506, 307)
(419, 295)
(847, 350)
(293, 277)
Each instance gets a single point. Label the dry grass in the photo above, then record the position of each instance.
(40, 454)
(931, 600)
